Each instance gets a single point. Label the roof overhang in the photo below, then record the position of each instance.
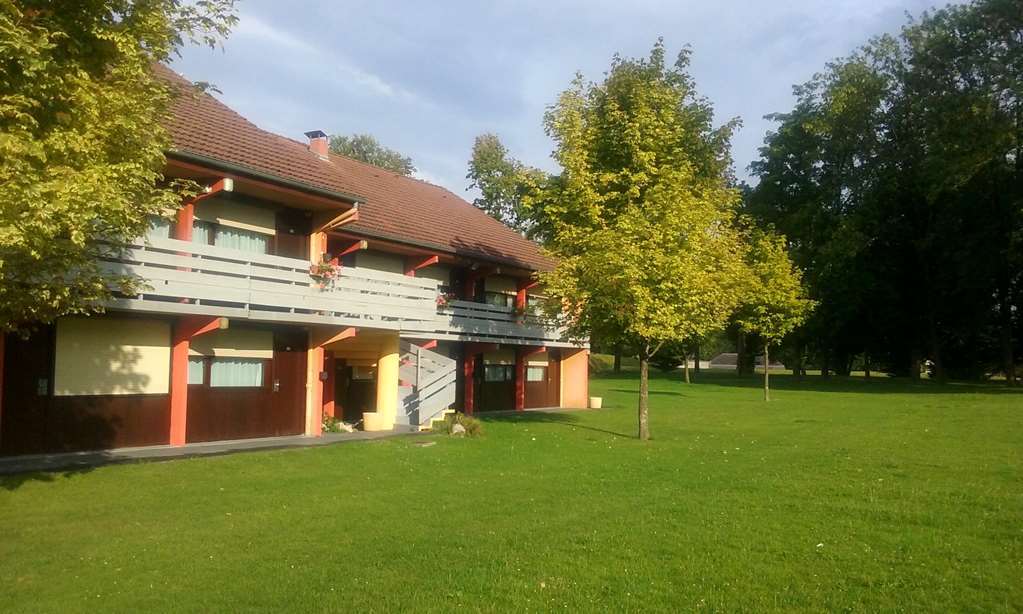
(259, 184)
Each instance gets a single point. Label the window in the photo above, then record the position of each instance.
(362, 374)
(196, 370)
(236, 373)
(536, 374)
(159, 228)
(208, 233)
(498, 373)
(243, 240)
(499, 299)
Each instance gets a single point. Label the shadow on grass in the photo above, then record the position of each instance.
(16, 477)
(816, 383)
(542, 417)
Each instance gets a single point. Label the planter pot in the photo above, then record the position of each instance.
(596, 402)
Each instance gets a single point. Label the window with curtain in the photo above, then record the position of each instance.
(499, 299)
(242, 240)
(201, 232)
(236, 372)
(196, 370)
(536, 374)
(159, 228)
(498, 373)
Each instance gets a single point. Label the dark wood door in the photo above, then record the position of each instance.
(26, 393)
(289, 392)
(292, 239)
(544, 391)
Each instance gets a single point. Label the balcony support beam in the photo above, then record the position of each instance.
(355, 246)
(521, 293)
(414, 264)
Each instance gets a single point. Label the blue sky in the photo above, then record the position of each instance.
(427, 77)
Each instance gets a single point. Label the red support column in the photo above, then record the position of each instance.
(469, 370)
(522, 290)
(328, 385)
(185, 220)
(184, 329)
(520, 379)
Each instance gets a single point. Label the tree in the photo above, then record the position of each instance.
(503, 182)
(642, 216)
(365, 148)
(81, 142)
(898, 180)
(775, 302)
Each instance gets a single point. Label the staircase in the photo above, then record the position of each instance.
(426, 388)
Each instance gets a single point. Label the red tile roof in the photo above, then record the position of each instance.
(395, 207)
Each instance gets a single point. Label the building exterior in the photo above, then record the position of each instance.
(300, 285)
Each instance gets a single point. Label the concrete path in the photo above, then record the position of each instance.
(78, 460)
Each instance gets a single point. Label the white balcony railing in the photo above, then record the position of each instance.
(184, 277)
(191, 278)
(468, 321)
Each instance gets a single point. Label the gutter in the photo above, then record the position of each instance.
(253, 173)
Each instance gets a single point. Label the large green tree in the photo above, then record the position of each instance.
(81, 142)
(366, 148)
(897, 178)
(642, 215)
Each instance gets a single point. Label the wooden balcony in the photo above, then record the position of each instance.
(480, 322)
(184, 277)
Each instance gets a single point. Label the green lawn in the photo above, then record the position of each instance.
(866, 495)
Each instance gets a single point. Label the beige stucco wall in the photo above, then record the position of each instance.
(102, 355)
(575, 384)
(235, 342)
(439, 272)
(237, 215)
(369, 259)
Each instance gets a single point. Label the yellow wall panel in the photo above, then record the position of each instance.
(101, 355)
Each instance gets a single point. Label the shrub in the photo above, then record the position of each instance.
(472, 426)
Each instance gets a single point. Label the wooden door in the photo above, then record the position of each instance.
(292, 239)
(26, 392)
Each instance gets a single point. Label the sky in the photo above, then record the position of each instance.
(426, 78)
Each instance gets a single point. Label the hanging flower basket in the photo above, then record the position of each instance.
(324, 274)
(443, 300)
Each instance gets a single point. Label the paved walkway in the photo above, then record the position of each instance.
(79, 460)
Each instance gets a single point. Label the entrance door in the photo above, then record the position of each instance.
(496, 387)
(26, 393)
(288, 383)
(292, 239)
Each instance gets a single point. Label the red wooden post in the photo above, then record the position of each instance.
(520, 379)
(184, 329)
(468, 371)
(328, 385)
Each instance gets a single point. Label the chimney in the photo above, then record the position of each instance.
(318, 142)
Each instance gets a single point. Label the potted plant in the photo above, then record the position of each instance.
(324, 273)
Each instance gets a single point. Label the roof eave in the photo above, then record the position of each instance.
(254, 173)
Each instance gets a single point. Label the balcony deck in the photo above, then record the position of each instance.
(191, 278)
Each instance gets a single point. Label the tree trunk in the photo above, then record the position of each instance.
(696, 359)
(866, 364)
(767, 374)
(932, 332)
(740, 351)
(914, 364)
(685, 366)
(1008, 359)
(618, 358)
(826, 364)
(644, 396)
(799, 363)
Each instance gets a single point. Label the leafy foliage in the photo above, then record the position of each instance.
(642, 217)
(503, 182)
(473, 427)
(898, 180)
(81, 143)
(366, 148)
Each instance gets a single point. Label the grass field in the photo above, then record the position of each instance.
(865, 495)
